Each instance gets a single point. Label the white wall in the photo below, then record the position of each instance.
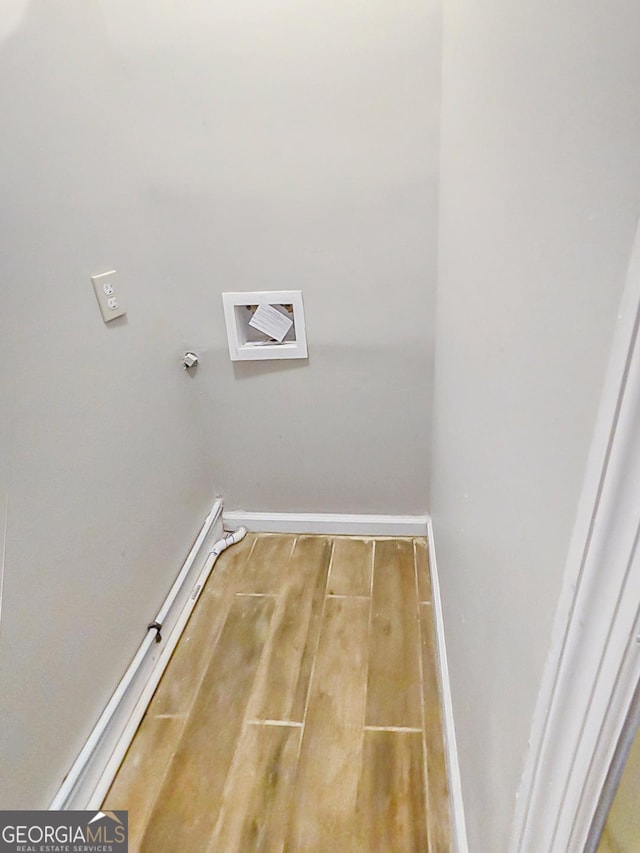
(109, 480)
(197, 148)
(307, 135)
(295, 145)
(540, 193)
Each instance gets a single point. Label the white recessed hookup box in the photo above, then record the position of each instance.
(254, 333)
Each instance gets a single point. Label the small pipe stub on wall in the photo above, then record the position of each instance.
(189, 360)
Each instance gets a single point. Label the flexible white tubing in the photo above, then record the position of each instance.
(169, 644)
(173, 592)
(92, 741)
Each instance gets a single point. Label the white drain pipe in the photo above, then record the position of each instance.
(218, 547)
(66, 790)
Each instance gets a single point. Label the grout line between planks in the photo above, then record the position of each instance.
(256, 594)
(356, 597)
(252, 549)
(410, 729)
(181, 716)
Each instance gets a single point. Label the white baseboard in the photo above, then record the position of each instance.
(98, 769)
(328, 523)
(459, 829)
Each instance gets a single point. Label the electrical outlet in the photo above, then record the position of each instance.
(110, 303)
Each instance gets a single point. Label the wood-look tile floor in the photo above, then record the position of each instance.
(300, 710)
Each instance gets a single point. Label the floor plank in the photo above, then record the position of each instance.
(390, 800)
(186, 810)
(423, 570)
(437, 785)
(311, 646)
(266, 567)
(282, 682)
(606, 845)
(256, 740)
(393, 691)
(179, 684)
(351, 567)
(140, 779)
(323, 812)
(254, 812)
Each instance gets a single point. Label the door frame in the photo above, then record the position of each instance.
(593, 666)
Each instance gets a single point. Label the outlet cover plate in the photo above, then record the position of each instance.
(106, 291)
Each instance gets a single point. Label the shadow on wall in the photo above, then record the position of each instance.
(251, 369)
(13, 13)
